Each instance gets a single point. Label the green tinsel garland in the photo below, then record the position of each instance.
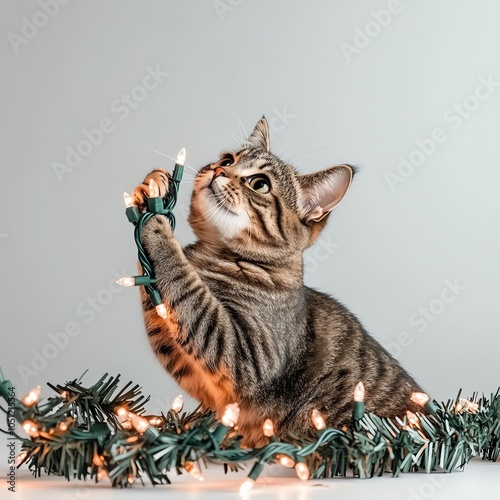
(78, 434)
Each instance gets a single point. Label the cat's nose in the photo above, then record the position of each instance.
(219, 172)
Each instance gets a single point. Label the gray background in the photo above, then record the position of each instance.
(386, 252)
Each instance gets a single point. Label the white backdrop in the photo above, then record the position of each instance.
(407, 90)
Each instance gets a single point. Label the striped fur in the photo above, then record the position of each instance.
(241, 325)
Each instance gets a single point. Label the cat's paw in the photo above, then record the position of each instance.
(142, 192)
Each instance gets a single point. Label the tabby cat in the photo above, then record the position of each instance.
(241, 325)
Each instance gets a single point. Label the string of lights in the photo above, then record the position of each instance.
(102, 433)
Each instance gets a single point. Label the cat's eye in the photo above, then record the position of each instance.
(259, 183)
(225, 162)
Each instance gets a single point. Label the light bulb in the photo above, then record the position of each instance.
(359, 393)
(131, 479)
(177, 404)
(231, 414)
(122, 412)
(412, 418)
(194, 470)
(21, 457)
(318, 420)
(154, 189)
(129, 200)
(30, 428)
(302, 471)
(246, 486)
(287, 461)
(155, 421)
(161, 310)
(126, 281)
(32, 397)
(98, 460)
(181, 157)
(268, 428)
(64, 394)
(420, 398)
(63, 426)
(140, 423)
(465, 404)
(101, 474)
(127, 424)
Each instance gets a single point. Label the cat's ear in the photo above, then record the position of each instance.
(322, 191)
(259, 138)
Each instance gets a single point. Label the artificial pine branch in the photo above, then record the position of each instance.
(80, 435)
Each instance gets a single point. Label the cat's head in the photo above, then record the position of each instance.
(255, 205)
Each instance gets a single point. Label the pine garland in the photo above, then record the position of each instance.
(78, 433)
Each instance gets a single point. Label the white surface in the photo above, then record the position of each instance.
(479, 479)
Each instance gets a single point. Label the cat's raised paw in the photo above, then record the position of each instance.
(142, 192)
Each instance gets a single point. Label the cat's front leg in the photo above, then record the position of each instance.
(204, 326)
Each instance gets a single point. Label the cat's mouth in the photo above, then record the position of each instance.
(219, 196)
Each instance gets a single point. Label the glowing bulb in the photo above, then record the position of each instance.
(21, 457)
(359, 393)
(231, 414)
(420, 398)
(129, 201)
(98, 460)
(318, 420)
(246, 486)
(126, 281)
(32, 397)
(140, 423)
(268, 428)
(161, 310)
(122, 412)
(154, 189)
(30, 428)
(181, 157)
(302, 471)
(155, 421)
(177, 404)
(63, 426)
(131, 479)
(465, 404)
(101, 474)
(412, 418)
(127, 424)
(287, 461)
(194, 470)
(64, 394)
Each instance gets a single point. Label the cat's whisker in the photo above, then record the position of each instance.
(171, 158)
(296, 142)
(284, 139)
(311, 151)
(239, 121)
(233, 134)
(186, 175)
